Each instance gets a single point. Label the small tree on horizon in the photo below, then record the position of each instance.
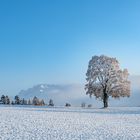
(29, 102)
(17, 100)
(105, 78)
(42, 102)
(35, 101)
(7, 100)
(83, 104)
(51, 102)
(67, 105)
(3, 99)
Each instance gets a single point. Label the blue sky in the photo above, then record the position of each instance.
(51, 41)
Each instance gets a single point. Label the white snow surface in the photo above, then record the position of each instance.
(59, 123)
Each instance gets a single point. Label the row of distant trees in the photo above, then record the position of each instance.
(18, 101)
(35, 101)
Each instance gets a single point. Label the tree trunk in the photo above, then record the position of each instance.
(105, 100)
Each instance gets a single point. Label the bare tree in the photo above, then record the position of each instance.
(105, 78)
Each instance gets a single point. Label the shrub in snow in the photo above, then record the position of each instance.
(68, 105)
(83, 104)
(89, 106)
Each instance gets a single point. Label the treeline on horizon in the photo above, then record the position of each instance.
(21, 101)
(5, 100)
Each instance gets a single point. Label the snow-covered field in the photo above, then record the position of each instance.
(29, 123)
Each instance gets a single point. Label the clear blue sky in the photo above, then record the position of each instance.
(51, 41)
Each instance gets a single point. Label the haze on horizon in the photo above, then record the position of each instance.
(52, 41)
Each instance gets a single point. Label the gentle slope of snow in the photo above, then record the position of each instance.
(30, 123)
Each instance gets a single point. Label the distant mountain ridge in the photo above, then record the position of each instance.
(59, 93)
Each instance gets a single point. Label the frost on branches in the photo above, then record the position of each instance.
(105, 78)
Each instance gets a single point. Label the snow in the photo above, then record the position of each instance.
(41, 90)
(42, 86)
(43, 123)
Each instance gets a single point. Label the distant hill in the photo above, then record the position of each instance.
(59, 93)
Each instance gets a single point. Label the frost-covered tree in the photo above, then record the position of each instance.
(3, 99)
(7, 100)
(24, 102)
(105, 78)
(17, 100)
(42, 102)
(35, 101)
(51, 102)
(12, 103)
(29, 102)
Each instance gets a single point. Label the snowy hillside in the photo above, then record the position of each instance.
(69, 123)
